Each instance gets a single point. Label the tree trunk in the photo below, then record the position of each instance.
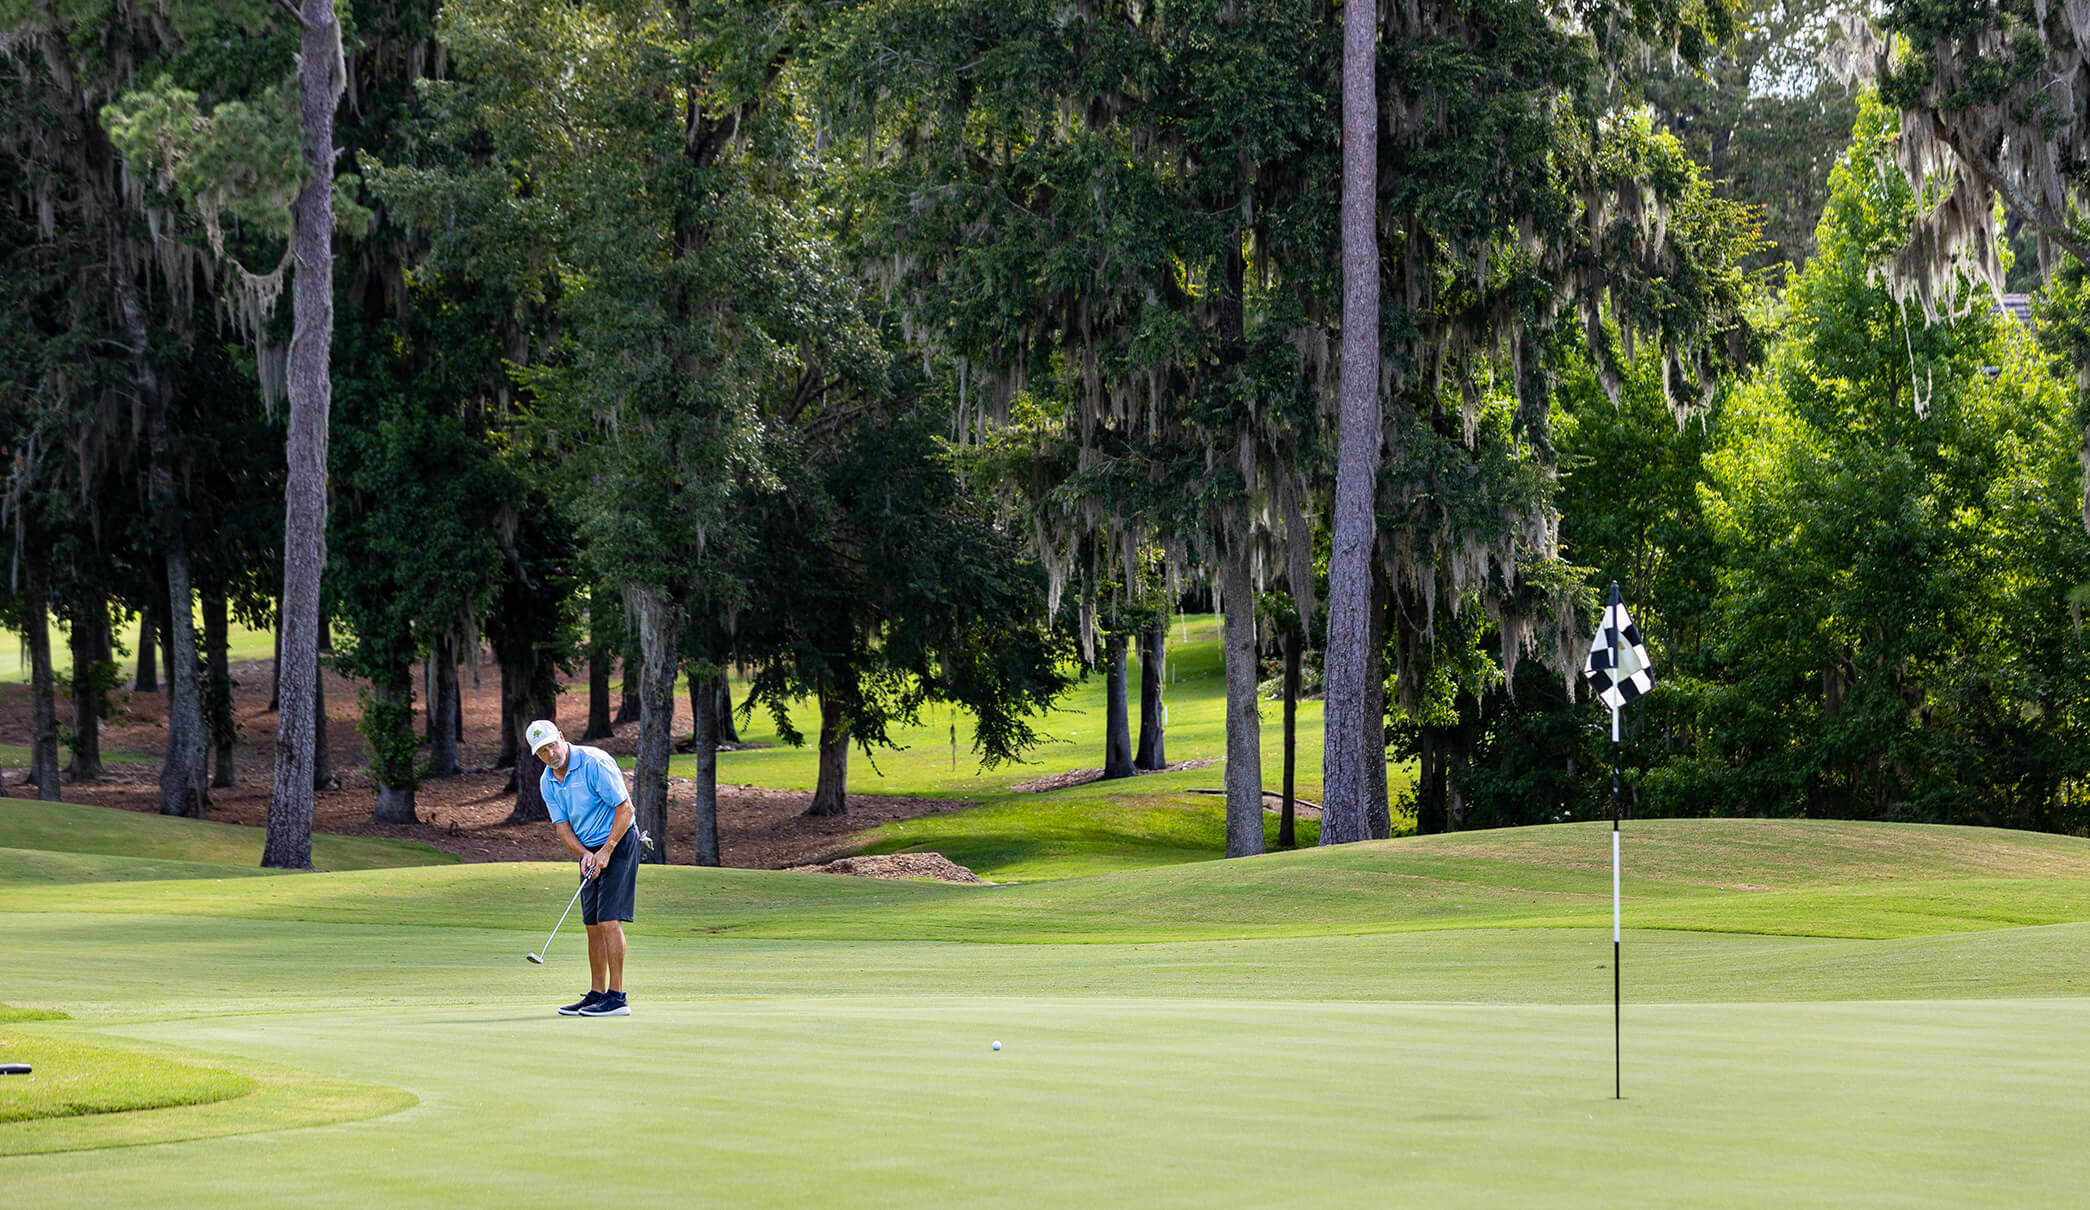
(1244, 746)
(705, 741)
(723, 711)
(831, 791)
(1354, 734)
(389, 729)
(599, 725)
(634, 661)
(445, 709)
(525, 698)
(320, 82)
(148, 680)
(1286, 838)
(43, 743)
(86, 764)
(1117, 724)
(660, 644)
(1153, 672)
(528, 782)
(185, 772)
(217, 690)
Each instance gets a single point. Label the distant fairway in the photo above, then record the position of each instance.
(1816, 1014)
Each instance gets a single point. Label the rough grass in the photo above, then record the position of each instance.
(10, 1014)
(70, 1078)
(269, 1097)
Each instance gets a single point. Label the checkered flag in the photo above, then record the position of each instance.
(1617, 664)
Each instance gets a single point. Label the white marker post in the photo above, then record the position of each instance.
(1618, 669)
(1617, 1028)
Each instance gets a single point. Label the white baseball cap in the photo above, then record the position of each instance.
(540, 733)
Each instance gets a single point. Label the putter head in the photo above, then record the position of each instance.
(534, 958)
(645, 841)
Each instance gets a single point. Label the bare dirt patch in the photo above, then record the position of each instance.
(468, 814)
(897, 865)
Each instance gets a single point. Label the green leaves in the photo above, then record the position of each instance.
(1893, 502)
(240, 160)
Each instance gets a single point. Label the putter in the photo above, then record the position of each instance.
(645, 845)
(538, 958)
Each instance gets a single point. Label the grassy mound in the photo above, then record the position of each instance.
(1790, 878)
(171, 843)
(71, 1078)
(93, 1097)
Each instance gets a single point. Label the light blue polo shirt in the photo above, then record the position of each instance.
(587, 800)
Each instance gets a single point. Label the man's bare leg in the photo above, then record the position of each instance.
(598, 954)
(613, 953)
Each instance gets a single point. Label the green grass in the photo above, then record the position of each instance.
(1095, 828)
(18, 756)
(927, 762)
(242, 643)
(1424, 1021)
(68, 836)
(1816, 879)
(70, 1078)
(1086, 830)
(10, 1014)
(1816, 1013)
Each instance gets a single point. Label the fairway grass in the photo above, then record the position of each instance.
(1814, 1014)
(1013, 834)
(1797, 878)
(172, 840)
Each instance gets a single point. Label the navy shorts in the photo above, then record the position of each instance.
(612, 894)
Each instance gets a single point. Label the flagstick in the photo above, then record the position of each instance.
(1617, 1078)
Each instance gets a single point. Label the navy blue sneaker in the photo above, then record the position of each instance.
(581, 1005)
(612, 1004)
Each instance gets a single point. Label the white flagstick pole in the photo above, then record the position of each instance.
(1617, 1078)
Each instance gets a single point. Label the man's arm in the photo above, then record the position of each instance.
(564, 831)
(594, 863)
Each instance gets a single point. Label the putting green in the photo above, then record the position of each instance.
(1829, 1014)
(843, 1090)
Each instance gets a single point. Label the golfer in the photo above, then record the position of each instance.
(584, 793)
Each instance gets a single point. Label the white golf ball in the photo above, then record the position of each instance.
(997, 1046)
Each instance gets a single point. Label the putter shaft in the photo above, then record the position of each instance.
(539, 955)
